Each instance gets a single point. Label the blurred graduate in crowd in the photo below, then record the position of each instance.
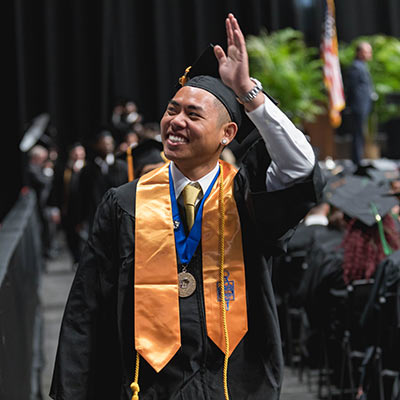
(130, 139)
(125, 117)
(39, 176)
(145, 157)
(100, 173)
(66, 196)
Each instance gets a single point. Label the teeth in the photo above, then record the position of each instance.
(177, 139)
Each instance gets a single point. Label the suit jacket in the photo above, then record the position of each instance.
(359, 88)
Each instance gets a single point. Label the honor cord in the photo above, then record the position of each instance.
(221, 276)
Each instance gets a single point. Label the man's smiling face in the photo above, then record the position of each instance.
(191, 131)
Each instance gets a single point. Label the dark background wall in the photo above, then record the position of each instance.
(74, 58)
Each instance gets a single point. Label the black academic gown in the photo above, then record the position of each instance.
(324, 273)
(288, 269)
(93, 184)
(96, 357)
(382, 310)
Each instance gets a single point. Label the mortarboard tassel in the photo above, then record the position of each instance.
(386, 248)
(183, 79)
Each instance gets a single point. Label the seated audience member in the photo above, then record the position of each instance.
(370, 235)
(289, 268)
(370, 231)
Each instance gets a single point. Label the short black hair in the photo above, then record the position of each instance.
(223, 115)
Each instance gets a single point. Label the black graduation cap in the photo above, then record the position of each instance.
(381, 170)
(392, 193)
(360, 198)
(146, 152)
(204, 74)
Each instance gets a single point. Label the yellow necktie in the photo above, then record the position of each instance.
(190, 194)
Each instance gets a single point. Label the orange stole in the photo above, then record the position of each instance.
(157, 326)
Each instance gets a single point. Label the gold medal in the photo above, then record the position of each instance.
(187, 284)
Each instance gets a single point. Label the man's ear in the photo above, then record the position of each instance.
(230, 130)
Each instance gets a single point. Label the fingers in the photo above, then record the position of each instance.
(229, 32)
(237, 35)
(220, 54)
(240, 41)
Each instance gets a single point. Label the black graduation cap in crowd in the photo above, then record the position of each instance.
(360, 198)
(147, 152)
(380, 171)
(204, 74)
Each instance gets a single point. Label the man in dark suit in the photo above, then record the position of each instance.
(359, 95)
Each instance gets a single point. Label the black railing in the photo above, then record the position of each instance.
(20, 319)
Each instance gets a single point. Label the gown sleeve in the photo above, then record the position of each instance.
(273, 214)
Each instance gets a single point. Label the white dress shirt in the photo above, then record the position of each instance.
(180, 180)
(292, 156)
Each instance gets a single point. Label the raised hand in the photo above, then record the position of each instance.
(234, 66)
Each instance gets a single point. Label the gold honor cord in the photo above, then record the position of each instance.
(221, 277)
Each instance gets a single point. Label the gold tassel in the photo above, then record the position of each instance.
(135, 385)
(135, 390)
(183, 79)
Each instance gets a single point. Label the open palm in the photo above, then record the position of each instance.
(233, 66)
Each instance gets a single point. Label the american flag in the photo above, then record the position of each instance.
(332, 74)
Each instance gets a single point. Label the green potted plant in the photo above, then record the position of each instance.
(291, 72)
(385, 73)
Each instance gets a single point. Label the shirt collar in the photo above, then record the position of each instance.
(180, 180)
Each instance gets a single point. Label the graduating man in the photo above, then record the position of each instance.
(173, 294)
